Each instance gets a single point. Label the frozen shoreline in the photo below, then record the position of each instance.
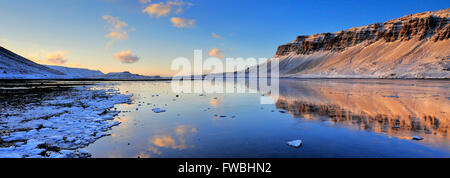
(60, 125)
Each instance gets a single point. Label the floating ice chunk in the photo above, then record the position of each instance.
(115, 123)
(100, 134)
(65, 128)
(48, 124)
(57, 137)
(98, 120)
(15, 136)
(158, 110)
(417, 138)
(67, 152)
(295, 143)
(70, 139)
(32, 143)
(32, 132)
(83, 151)
(57, 155)
(10, 155)
(108, 117)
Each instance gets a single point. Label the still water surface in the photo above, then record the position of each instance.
(334, 118)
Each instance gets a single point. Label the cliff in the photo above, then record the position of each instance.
(413, 46)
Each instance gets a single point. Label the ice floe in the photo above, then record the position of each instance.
(295, 143)
(59, 125)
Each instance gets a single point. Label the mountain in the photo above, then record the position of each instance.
(15, 66)
(76, 72)
(413, 46)
(124, 76)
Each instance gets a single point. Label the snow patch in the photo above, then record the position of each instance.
(59, 126)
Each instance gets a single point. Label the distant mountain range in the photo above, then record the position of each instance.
(413, 46)
(13, 66)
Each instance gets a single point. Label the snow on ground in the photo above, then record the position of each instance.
(76, 72)
(60, 125)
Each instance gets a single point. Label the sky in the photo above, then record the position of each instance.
(145, 36)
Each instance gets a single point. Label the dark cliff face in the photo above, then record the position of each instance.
(427, 25)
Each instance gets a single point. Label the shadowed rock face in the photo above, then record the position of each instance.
(432, 25)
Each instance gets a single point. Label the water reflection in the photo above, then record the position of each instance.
(335, 118)
(177, 142)
(398, 108)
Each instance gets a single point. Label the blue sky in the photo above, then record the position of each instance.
(74, 32)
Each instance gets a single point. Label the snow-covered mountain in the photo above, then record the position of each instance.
(124, 76)
(413, 46)
(13, 66)
(76, 72)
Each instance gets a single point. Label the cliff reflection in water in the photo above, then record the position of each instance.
(399, 108)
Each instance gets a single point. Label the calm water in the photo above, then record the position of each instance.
(334, 118)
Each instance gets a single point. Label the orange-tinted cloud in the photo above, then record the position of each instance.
(182, 22)
(216, 53)
(118, 29)
(216, 36)
(55, 57)
(126, 57)
(163, 9)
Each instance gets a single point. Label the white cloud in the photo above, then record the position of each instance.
(118, 30)
(163, 9)
(216, 53)
(182, 22)
(215, 35)
(126, 57)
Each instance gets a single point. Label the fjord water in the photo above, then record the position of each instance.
(333, 118)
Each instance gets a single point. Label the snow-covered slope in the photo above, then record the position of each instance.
(124, 76)
(414, 46)
(13, 66)
(76, 72)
